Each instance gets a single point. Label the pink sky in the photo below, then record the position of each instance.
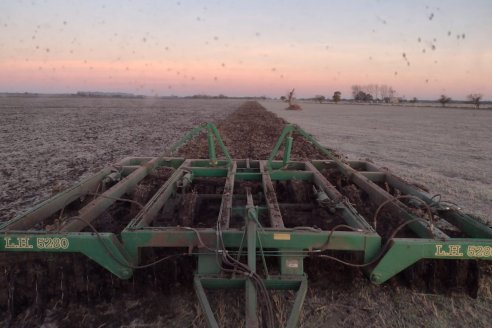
(420, 49)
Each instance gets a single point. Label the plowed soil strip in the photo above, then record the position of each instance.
(251, 132)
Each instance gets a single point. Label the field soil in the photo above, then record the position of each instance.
(162, 296)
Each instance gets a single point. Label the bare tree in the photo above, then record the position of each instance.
(283, 98)
(391, 92)
(383, 90)
(377, 91)
(355, 90)
(371, 89)
(290, 99)
(475, 99)
(337, 95)
(319, 98)
(362, 96)
(444, 100)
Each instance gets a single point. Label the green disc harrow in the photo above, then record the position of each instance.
(240, 219)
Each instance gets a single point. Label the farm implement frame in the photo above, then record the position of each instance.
(241, 219)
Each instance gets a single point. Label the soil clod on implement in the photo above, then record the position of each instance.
(241, 217)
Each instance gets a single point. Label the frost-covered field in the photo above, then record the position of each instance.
(47, 143)
(50, 142)
(447, 150)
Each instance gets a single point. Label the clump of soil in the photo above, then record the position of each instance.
(294, 107)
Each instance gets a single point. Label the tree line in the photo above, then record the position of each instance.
(373, 92)
(381, 92)
(473, 98)
(337, 96)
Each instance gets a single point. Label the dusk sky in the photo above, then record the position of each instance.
(243, 48)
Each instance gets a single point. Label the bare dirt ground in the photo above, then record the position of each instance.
(449, 150)
(163, 296)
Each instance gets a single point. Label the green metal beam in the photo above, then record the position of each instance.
(287, 150)
(211, 146)
(204, 303)
(286, 239)
(465, 223)
(282, 175)
(55, 203)
(298, 304)
(273, 282)
(378, 196)
(251, 300)
(226, 204)
(286, 131)
(406, 251)
(274, 214)
(221, 143)
(104, 249)
(154, 205)
(95, 208)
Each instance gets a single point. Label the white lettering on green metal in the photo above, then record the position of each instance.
(52, 243)
(40, 242)
(479, 251)
(17, 242)
(448, 250)
(456, 251)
